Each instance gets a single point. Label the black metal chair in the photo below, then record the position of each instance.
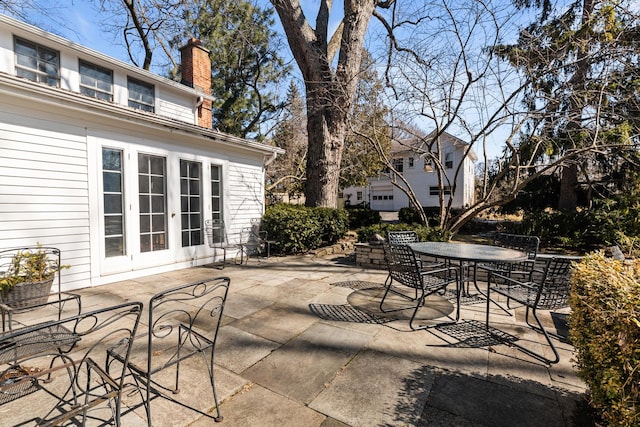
(405, 270)
(548, 289)
(218, 238)
(53, 373)
(183, 322)
(519, 242)
(405, 237)
(402, 237)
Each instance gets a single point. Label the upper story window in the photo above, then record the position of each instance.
(398, 165)
(448, 160)
(96, 81)
(37, 63)
(141, 95)
(411, 162)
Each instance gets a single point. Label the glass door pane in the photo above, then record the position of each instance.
(152, 195)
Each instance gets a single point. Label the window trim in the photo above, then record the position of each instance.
(448, 160)
(435, 191)
(40, 76)
(138, 104)
(95, 89)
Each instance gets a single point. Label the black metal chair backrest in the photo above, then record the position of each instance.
(403, 265)
(402, 237)
(183, 322)
(57, 369)
(524, 243)
(193, 311)
(554, 285)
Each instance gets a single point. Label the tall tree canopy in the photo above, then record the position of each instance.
(581, 68)
(245, 61)
(330, 86)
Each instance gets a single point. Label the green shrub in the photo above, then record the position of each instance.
(605, 330)
(606, 223)
(298, 229)
(362, 217)
(408, 216)
(427, 234)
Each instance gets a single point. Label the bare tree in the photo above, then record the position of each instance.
(454, 78)
(145, 25)
(330, 86)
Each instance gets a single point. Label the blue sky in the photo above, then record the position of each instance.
(81, 21)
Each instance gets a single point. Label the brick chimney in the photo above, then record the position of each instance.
(196, 73)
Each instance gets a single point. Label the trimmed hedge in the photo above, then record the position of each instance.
(298, 229)
(605, 330)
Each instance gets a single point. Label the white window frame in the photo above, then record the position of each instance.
(40, 71)
(136, 99)
(93, 88)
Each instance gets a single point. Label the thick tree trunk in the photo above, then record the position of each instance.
(568, 199)
(326, 132)
(330, 92)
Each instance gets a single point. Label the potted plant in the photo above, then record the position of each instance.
(27, 276)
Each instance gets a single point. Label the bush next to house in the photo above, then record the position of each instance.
(605, 331)
(297, 229)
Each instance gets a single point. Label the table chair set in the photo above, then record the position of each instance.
(75, 369)
(405, 271)
(249, 241)
(510, 265)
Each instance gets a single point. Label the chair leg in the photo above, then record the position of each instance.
(538, 328)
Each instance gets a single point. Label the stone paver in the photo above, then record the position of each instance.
(303, 343)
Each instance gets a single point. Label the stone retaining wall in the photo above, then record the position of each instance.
(370, 256)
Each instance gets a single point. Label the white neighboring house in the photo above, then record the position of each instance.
(116, 166)
(382, 195)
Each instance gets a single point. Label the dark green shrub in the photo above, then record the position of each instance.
(362, 217)
(606, 223)
(408, 216)
(297, 229)
(427, 234)
(605, 331)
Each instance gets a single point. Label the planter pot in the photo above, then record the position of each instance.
(27, 294)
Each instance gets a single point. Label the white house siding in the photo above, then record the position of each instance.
(171, 105)
(50, 194)
(379, 189)
(51, 178)
(43, 187)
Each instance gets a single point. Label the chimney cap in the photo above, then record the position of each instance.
(194, 42)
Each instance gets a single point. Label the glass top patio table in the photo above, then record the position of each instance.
(471, 252)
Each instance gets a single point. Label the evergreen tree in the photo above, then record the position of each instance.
(245, 62)
(287, 172)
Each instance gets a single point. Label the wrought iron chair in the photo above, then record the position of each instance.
(402, 237)
(405, 270)
(255, 241)
(183, 322)
(53, 372)
(42, 301)
(548, 289)
(218, 238)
